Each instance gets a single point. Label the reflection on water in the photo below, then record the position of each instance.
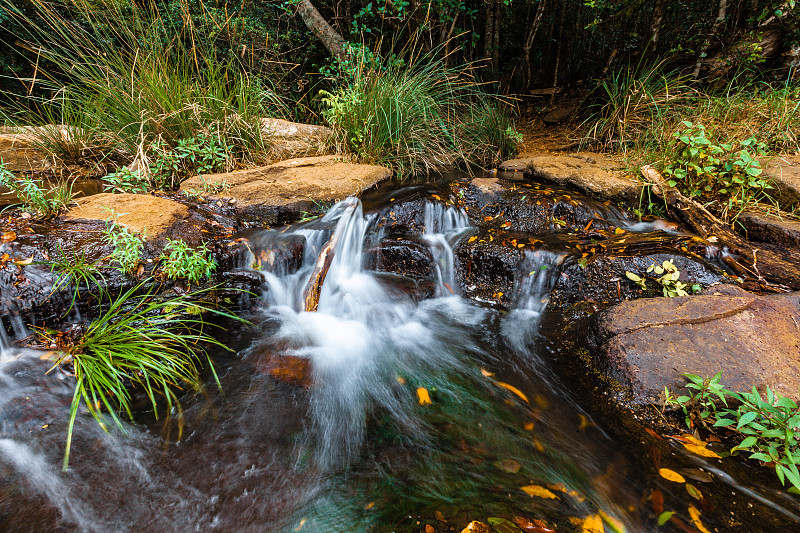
(346, 441)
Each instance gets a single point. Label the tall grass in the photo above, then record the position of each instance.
(124, 78)
(418, 116)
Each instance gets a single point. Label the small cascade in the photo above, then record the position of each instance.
(444, 224)
(536, 277)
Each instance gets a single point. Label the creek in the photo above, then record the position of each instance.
(399, 403)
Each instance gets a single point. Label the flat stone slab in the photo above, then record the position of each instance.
(19, 153)
(272, 191)
(784, 171)
(591, 173)
(772, 229)
(647, 344)
(137, 212)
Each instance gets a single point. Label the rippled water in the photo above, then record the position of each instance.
(324, 426)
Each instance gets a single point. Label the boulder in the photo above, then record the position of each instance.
(19, 152)
(645, 345)
(591, 173)
(771, 229)
(293, 139)
(137, 212)
(784, 172)
(279, 193)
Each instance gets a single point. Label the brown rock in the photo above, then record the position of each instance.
(591, 173)
(275, 191)
(771, 229)
(476, 527)
(293, 139)
(137, 212)
(19, 153)
(648, 344)
(784, 172)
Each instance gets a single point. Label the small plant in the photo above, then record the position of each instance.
(726, 175)
(182, 262)
(125, 180)
(138, 341)
(668, 277)
(34, 198)
(200, 154)
(75, 271)
(127, 246)
(769, 428)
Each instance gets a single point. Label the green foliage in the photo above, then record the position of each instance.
(201, 154)
(726, 175)
(125, 180)
(768, 427)
(138, 341)
(418, 117)
(127, 246)
(182, 262)
(75, 270)
(34, 198)
(668, 277)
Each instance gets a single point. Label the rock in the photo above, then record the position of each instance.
(476, 527)
(562, 112)
(137, 212)
(591, 173)
(784, 172)
(279, 193)
(293, 139)
(19, 153)
(647, 344)
(771, 229)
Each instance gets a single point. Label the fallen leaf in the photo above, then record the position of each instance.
(616, 525)
(8, 236)
(501, 525)
(476, 527)
(695, 446)
(505, 225)
(535, 526)
(23, 262)
(671, 475)
(472, 239)
(424, 397)
(664, 517)
(653, 434)
(486, 373)
(487, 218)
(538, 445)
(301, 524)
(370, 505)
(697, 474)
(429, 529)
(439, 516)
(694, 492)
(618, 231)
(592, 524)
(508, 465)
(528, 426)
(695, 514)
(513, 389)
(657, 499)
(541, 492)
(401, 380)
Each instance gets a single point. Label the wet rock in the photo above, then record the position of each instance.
(404, 218)
(486, 270)
(18, 150)
(286, 368)
(784, 172)
(279, 193)
(137, 212)
(645, 345)
(591, 173)
(401, 255)
(771, 229)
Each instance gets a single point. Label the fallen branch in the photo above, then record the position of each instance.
(775, 264)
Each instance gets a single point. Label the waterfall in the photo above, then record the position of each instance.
(443, 226)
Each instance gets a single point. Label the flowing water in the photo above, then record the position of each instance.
(381, 411)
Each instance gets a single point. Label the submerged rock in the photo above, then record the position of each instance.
(589, 172)
(645, 345)
(280, 193)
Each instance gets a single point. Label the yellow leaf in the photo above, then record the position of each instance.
(696, 446)
(538, 445)
(27, 261)
(695, 514)
(486, 373)
(536, 490)
(401, 380)
(694, 492)
(424, 397)
(618, 231)
(528, 426)
(472, 239)
(301, 524)
(592, 524)
(613, 523)
(513, 389)
(671, 475)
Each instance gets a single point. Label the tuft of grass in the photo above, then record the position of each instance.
(418, 116)
(127, 84)
(75, 271)
(34, 198)
(139, 341)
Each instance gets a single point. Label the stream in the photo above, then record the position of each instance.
(394, 406)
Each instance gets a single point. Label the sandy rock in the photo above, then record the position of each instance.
(771, 229)
(18, 152)
(784, 171)
(648, 344)
(591, 173)
(278, 193)
(137, 212)
(293, 139)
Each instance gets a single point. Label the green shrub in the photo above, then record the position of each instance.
(201, 154)
(418, 117)
(127, 246)
(125, 180)
(725, 176)
(34, 198)
(182, 262)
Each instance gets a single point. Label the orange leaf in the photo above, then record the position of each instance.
(671, 475)
(513, 389)
(8, 236)
(695, 514)
(486, 373)
(696, 446)
(541, 492)
(424, 397)
(592, 524)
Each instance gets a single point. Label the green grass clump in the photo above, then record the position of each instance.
(76, 271)
(418, 116)
(34, 198)
(131, 87)
(182, 262)
(139, 341)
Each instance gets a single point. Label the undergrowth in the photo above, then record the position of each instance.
(182, 262)
(33, 195)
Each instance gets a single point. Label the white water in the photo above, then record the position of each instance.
(444, 225)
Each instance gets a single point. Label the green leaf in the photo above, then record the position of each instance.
(724, 422)
(746, 443)
(746, 419)
(664, 517)
(502, 525)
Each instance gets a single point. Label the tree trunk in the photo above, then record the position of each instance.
(488, 33)
(558, 50)
(323, 31)
(723, 7)
(498, 7)
(758, 261)
(529, 41)
(655, 26)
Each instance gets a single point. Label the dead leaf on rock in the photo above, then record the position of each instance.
(592, 524)
(513, 389)
(671, 475)
(541, 492)
(8, 236)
